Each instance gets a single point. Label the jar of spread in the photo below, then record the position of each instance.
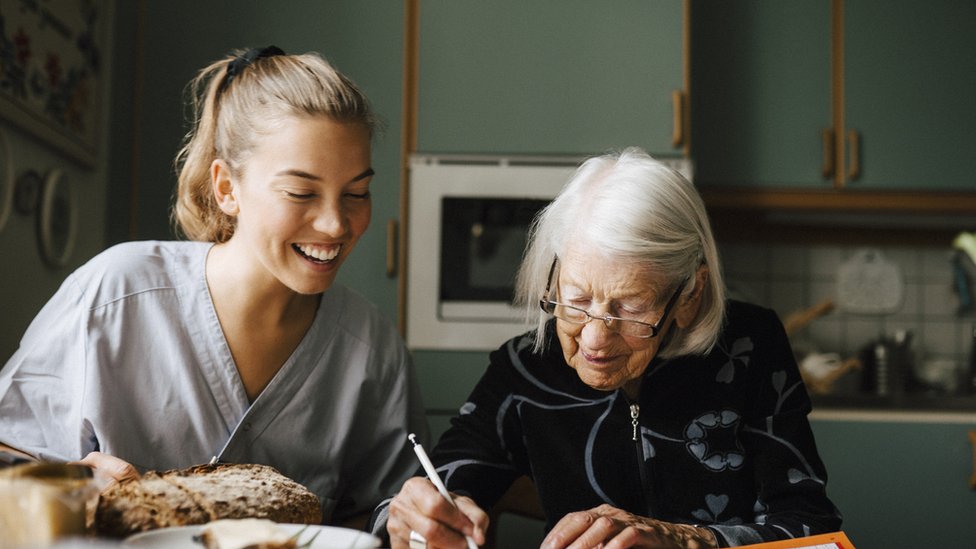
(43, 502)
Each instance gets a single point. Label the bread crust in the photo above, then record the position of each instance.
(200, 494)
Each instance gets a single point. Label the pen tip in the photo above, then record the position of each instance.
(413, 438)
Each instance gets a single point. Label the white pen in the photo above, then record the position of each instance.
(435, 478)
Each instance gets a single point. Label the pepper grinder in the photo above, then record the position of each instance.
(881, 387)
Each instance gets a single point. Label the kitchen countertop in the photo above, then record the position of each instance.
(905, 402)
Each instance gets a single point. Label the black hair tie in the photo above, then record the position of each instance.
(241, 62)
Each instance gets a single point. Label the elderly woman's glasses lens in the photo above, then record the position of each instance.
(623, 326)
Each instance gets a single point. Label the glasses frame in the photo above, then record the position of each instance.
(549, 307)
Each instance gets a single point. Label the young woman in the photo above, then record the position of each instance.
(237, 344)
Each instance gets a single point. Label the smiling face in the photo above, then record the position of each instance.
(301, 200)
(604, 359)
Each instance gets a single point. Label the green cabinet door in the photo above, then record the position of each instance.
(364, 39)
(910, 78)
(902, 481)
(760, 92)
(548, 77)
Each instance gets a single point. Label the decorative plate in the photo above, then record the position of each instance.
(57, 220)
(7, 180)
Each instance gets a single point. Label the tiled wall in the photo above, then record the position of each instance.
(788, 278)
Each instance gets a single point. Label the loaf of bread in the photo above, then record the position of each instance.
(201, 494)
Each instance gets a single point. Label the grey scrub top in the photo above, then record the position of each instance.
(128, 358)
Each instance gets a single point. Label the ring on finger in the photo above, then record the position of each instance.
(417, 541)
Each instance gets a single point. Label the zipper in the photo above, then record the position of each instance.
(634, 414)
(639, 447)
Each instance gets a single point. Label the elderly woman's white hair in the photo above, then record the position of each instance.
(630, 206)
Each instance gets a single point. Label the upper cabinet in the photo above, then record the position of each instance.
(862, 95)
(567, 77)
(760, 91)
(910, 93)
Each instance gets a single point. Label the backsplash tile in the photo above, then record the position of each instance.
(941, 339)
(789, 295)
(791, 277)
(908, 259)
(938, 299)
(821, 290)
(859, 331)
(824, 260)
(937, 264)
(911, 304)
(789, 262)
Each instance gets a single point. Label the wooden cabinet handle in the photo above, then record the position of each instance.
(678, 105)
(391, 248)
(829, 161)
(854, 149)
(972, 440)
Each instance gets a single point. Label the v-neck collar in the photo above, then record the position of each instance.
(220, 369)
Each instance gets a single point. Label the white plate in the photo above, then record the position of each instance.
(329, 537)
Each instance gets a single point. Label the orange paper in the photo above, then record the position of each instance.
(834, 540)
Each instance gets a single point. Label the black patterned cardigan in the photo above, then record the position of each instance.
(721, 441)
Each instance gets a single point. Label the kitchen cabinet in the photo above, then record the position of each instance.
(760, 92)
(901, 480)
(543, 78)
(865, 95)
(567, 77)
(909, 89)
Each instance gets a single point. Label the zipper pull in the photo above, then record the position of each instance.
(634, 412)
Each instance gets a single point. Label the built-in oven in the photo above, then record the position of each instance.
(468, 221)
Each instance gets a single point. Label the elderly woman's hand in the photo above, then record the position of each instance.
(610, 528)
(419, 507)
(109, 467)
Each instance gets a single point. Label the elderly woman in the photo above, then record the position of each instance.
(648, 409)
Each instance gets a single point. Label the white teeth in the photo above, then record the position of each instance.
(321, 254)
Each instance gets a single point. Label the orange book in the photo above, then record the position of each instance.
(834, 540)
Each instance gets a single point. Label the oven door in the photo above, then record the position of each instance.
(482, 241)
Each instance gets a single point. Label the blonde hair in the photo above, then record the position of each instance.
(629, 206)
(230, 110)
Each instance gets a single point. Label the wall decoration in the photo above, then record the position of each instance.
(57, 220)
(7, 181)
(52, 70)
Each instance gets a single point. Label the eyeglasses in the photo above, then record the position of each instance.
(622, 326)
